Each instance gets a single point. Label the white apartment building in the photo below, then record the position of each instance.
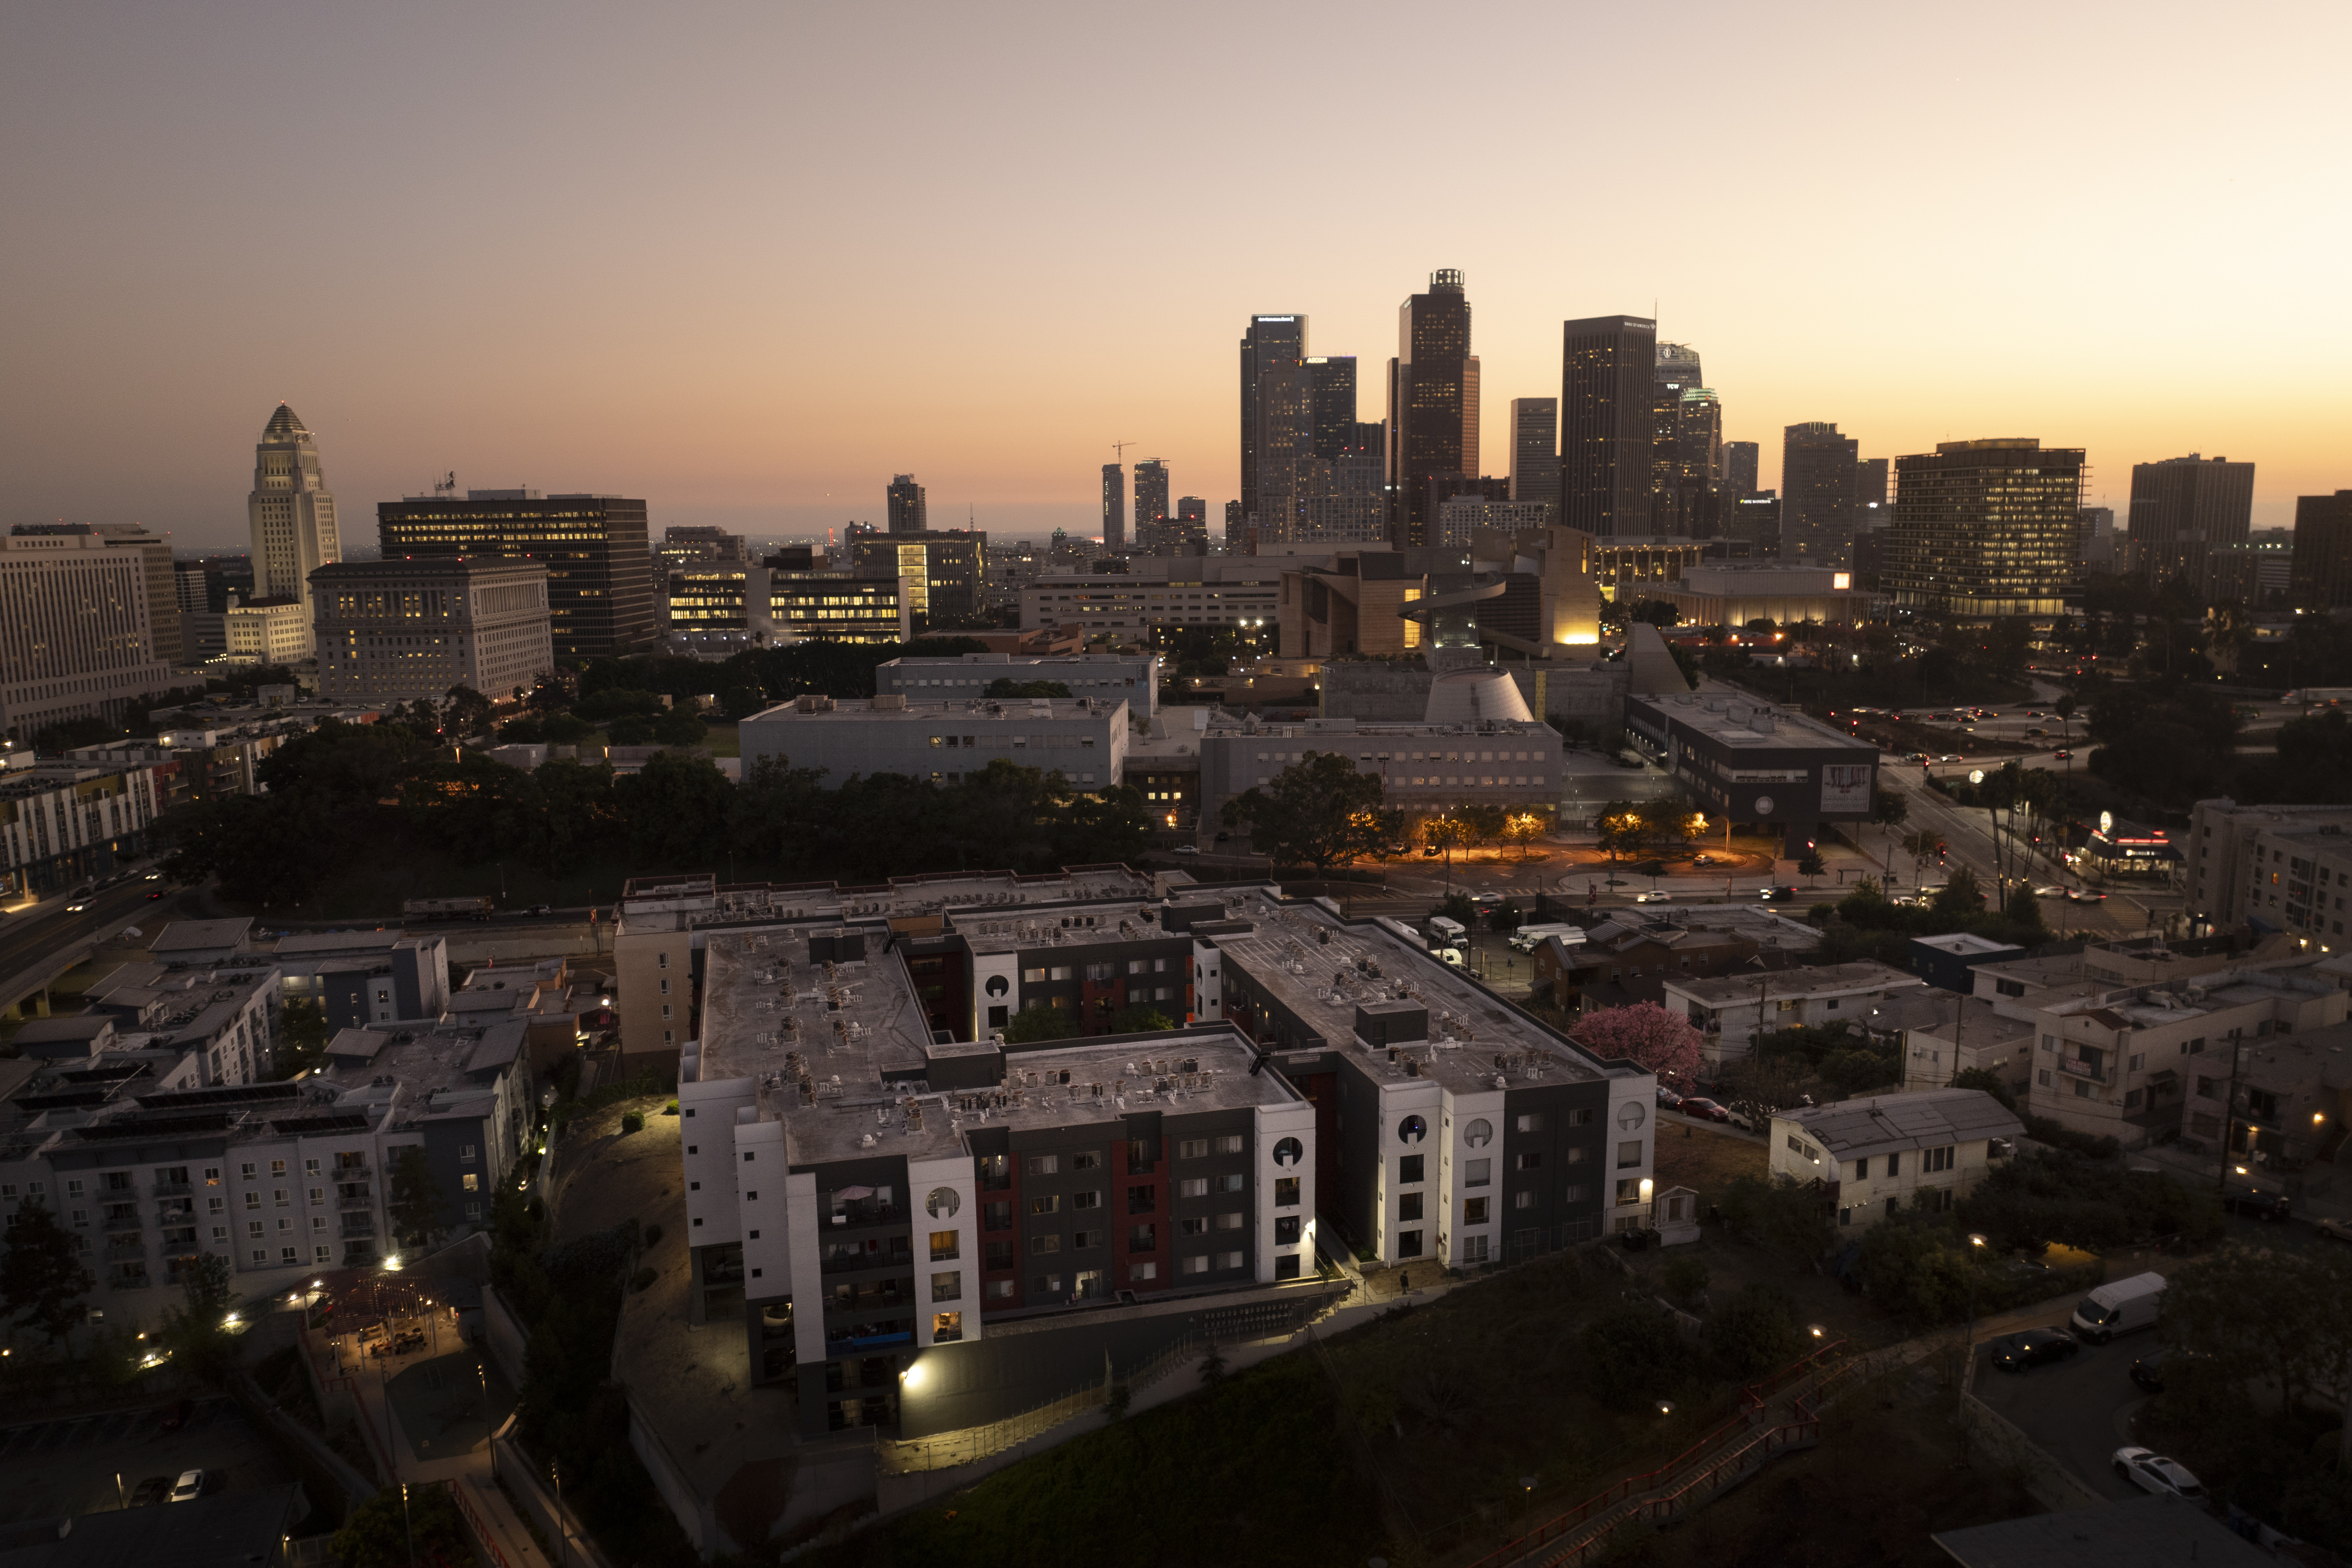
(1131, 678)
(1876, 1156)
(62, 820)
(1180, 591)
(1732, 1011)
(2272, 868)
(395, 631)
(77, 628)
(266, 631)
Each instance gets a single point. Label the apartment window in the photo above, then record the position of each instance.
(1192, 1264)
(1092, 1200)
(277, 1167)
(1229, 1260)
(944, 1246)
(1232, 1183)
(1141, 1199)
(1033, 976)
(1285, 1192)
(1287, 1230)
(1229, 1144)
(1081, 1240)
(1477, 1173)
(1531, 1122)
(464, 1154)
(997, 1217)
(1048, 1203)
(999, 1255)
(1193, 1187)
(1047, 1284)
(1934, 1160)
(1043, 1246)
(1192, 1149)
(1139, 1158)
(2131, 1099)
(1578, 1117)
(947, 1285)
(1143, 1238)
(1407, 1243)
(1086, 1160)
(1629, 1155)
(1576, 1193)
(946, 1327)
(1523, 1200)
(1530, 1160)
(1408, 1168)
(1194, 1226)
(999, 1290)
(1629, 1191)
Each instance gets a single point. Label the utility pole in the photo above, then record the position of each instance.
(2229, 1117)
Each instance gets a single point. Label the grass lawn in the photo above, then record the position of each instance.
(1687, 1157)
(1412, 1446)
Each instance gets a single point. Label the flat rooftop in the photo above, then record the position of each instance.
(1732, 721)
(321, 944)
(1322, 969)
(1123, 920)
(931, 710)
(842, 1056)
(684, 903)
(1814, 980)
(199, 936)
(1857, 1128)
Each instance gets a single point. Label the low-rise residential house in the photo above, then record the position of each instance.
(1889, 1152)
(1941, 1036)
(363, 977)
(1732, 1011)
(1944, 962)
(2282, 1101)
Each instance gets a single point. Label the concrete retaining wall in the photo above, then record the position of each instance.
(2049, 1482)
(504, 1335)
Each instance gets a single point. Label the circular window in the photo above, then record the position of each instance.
(942, 1203)
(1289, 1152)
(1630, 1115)
(1479, 1133)
(997, 985)
(1412, 1129)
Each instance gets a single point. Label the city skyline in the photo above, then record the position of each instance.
(674, 360)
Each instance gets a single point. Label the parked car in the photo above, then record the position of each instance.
(2335, 1230)
(2022, 1351)
(2152, 1472)
(1188, 850)
(1653, 896)
(1776, 895)
(2033, 729)
(1451, 955)
(152, 1490)
(1667, 1098)
(176, 1414)
(2259, 1203)
(189, 1487)
(1702, 859)
(1702, 1109)
(2149, 1370)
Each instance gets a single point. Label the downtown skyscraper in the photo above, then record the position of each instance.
(1607, 417)
(1278, 420)
(1817, 494)
(1685, 433)
(2182, 510)
(1432, 401)
(1114, 510)
(905, 501)
(1150, 500)
(291, 512)
(1332, 403)
(1984, 529)
(1534, 451)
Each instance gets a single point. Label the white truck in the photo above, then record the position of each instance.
(1526, 939)
(1446, 933)
(2119, 1308)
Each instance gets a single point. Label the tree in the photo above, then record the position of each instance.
(1645, 1034)
(1990, 1083)
(1457, 908)
(382, 1532)
(42, 1281)
(465, 711)
(1318, 812)
(1622, 829)
(1811, 864)
(2263, 1313)
(197, 1331)
(1038, 1021)
(301, 1037)
(1754, 1332)
(1633, 1353)
(1006, 687)
(1916, 1266)
(1525, 827)
(680, 726)
(1782, 1213)
(1960, 896)
(630, 729)
(1889, 807)
(1685, 1279)
(1138, 1018)
(677, 809)
(415, 1205)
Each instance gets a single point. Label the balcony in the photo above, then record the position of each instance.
(865, 1212)
(356, 1195)
(2074, 1067)
(119, 1224)
(125, 1247)
(848, 1262)
(127, 1281)
(356, 1226)
(172, 1189)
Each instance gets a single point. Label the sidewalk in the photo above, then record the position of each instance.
(505, 1542)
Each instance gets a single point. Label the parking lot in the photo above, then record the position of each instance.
(71, 1464)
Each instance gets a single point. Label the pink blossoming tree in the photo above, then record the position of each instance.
(1644, 1033)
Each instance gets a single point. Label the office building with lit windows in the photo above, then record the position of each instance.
(1154, 592)
(1607, 418)
(1817, 488)
(395, 631)
(1985, 528)
(1433, 424)
(946, 573)
(1534, 452)
(77, 634)
(599, 584)
(904, 501)
(291, 515)
(1151, 499)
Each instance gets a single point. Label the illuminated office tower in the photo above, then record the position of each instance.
(1608, 376)
(1114, 512)
(1332, 403)
(1984, 529)
(1817, 488)
(1740, 462)
(905, 503)
(1150, 502)
(1432, 401)
(292, 513)
(1277, 417)
(600, 581)
(1534, 451)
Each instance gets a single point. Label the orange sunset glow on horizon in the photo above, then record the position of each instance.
(747, 262)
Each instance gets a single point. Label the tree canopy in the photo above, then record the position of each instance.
(1318, 812)
(1645, 1034)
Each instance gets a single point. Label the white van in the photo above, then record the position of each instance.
(1446, 933)
(2119, 1308)
(1526, 939)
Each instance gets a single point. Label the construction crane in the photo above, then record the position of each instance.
(1118, 449)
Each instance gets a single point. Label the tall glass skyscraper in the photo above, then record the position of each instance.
(2183, 509)
(1332, 403)
(1817, 492)
(1433, 401)
(1151, 501)
(905, 500)
(1114, 513)
(1276, 418)
(1534, 451)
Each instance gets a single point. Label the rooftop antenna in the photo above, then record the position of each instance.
(447, 485)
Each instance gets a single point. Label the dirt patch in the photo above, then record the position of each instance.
(604, 1177)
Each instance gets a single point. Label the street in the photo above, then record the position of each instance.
(2078, 1410)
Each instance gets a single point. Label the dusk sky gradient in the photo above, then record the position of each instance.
(747, 262)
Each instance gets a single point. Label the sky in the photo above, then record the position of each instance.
(747, 262)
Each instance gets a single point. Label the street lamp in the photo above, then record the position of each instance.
(1976, 1250)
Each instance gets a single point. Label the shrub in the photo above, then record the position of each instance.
(1685, 1279)
(2058, 1135)
(1632, 1354)
(670, 1109)
(1753, 1332)
(632, 1122)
